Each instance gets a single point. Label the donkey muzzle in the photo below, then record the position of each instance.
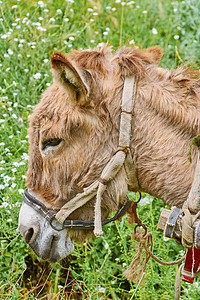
(47, 243)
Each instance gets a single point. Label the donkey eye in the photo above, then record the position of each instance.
(51, 142)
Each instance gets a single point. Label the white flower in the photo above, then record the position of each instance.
(6, 55)
(71, 38)
(112, 282)
(26, 70)
(41, 4)
(4, 36)
(4, 204)
(144, 12)
(145, 200)
(90, 9)
(101, 45)
(10, 52)
(124, 264)
(24, 156)
(106, 246)
(59, 11)
(165, 239)
(14, 116)
(182, 252)
(40, 28)
(24, 20)
(66, 20)
(45, 60)
(117, 1)
(154, 31)
(105, 33)
(37, 76)
(131, 42)
(52, 20)
(2, 187)
(101, 289)
(176, 37)
(9, 220)
(14, 170)
(117, 259)
(21, 191)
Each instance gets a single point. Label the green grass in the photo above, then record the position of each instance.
(29, 33)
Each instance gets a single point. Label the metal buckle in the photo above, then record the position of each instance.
(57, 229)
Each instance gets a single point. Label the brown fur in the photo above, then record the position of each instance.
(82, 108)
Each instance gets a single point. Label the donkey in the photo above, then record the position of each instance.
(74, 133)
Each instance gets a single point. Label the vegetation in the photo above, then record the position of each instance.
(30, 31)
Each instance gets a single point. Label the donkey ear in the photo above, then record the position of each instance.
(152, 54)
(74, 80)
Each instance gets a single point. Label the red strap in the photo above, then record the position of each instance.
(191, 265)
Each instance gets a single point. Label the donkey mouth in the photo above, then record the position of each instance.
(52, 250)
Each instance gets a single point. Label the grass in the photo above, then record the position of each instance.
(30, 31)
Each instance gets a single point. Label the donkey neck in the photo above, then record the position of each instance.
(161, 148)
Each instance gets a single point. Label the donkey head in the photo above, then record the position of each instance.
(73, 133)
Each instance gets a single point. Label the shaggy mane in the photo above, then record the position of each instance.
(96, 59)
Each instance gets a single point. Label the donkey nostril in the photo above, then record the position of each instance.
(29, 235)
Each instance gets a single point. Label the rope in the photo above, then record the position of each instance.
(138, 264)
(177, 288)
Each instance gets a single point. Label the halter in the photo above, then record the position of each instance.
(121, 159)
(49, 214)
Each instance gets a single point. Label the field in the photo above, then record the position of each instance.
(29, 33)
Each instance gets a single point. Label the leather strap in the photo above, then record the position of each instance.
(78, 224)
